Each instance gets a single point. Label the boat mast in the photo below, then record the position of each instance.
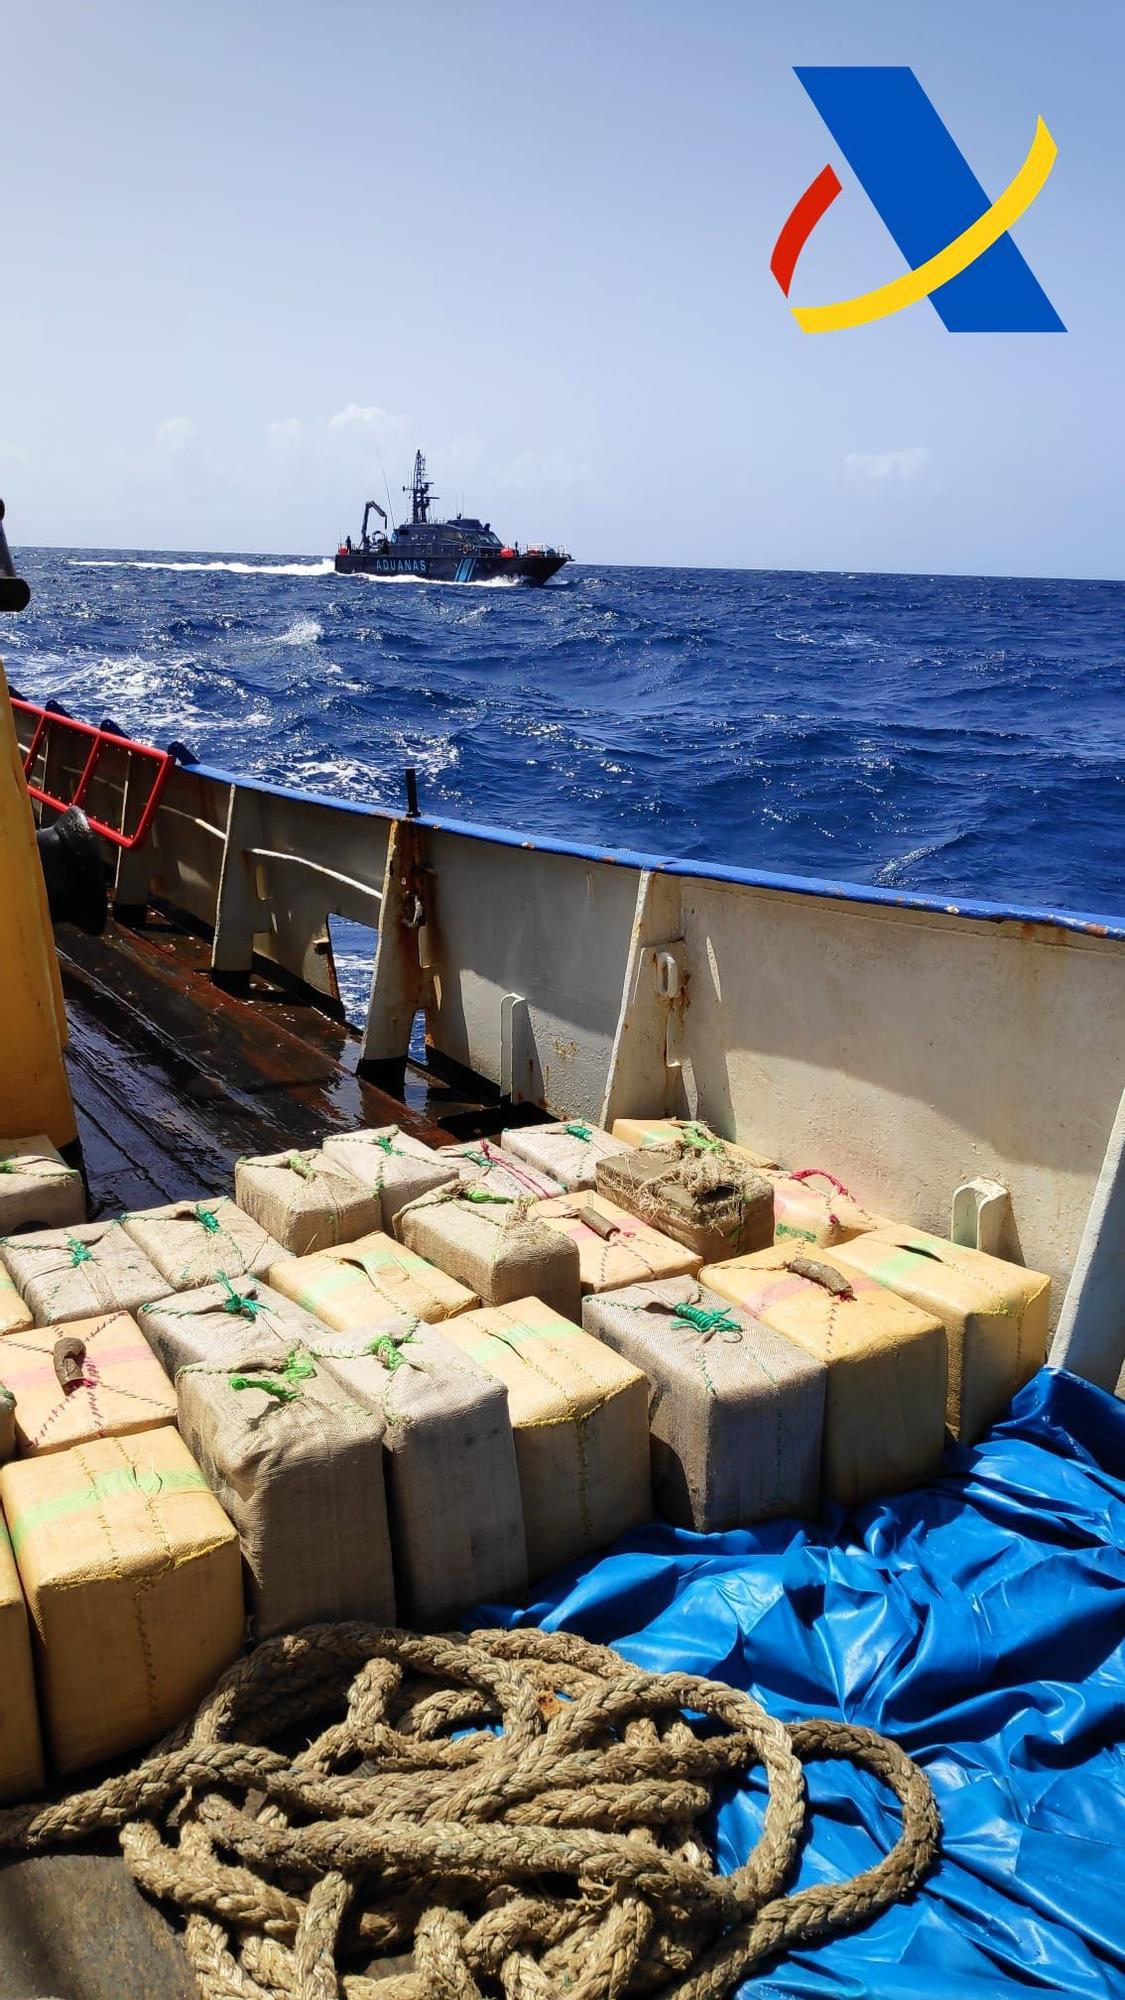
(419, 491)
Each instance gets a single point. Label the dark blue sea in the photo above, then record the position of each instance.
(963, 735)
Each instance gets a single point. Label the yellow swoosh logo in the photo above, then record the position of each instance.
(950, 262)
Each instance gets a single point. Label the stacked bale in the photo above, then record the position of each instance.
(692, 1132)
(995, 1314)
(14, 1313)
(713, 1204)
(567, 1152)
(66, 1274)
(884, 1417)
(736, 1412)
(494, 1246)
(198, 1242)
(132, 1577)
(353, 1285)
(580, 1417)
(614, 1247)
(395, 1167)
(211, 1324)
(456, 1516)
(306, 1200)
(89, 1378)
(21, 1751)
(37, 1188)
(481, 1163)
(297, 1464)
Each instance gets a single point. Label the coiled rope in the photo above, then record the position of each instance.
(564, 1855)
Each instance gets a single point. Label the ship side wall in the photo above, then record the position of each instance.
(909, 1046)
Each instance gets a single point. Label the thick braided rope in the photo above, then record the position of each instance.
(555, 1844)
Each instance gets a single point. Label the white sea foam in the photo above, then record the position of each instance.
(325, 567)
(302, 632)
(891, 873)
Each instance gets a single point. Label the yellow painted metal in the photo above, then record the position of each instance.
(34, 1092)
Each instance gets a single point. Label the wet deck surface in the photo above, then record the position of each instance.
(172, 1080)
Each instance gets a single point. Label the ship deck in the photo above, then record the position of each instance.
(172, 1079)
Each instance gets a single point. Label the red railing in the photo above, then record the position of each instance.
(50, 720)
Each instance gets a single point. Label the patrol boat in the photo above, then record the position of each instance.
(463, 550)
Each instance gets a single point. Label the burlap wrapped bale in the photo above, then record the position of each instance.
(481, 1163)
(692, 1132)
(456, 1516)
(198, 1242)
(396, 1167)
(493, 1244)
(567, 1153)
(132, 1576)
(37, 1188)
(713, 1204)
(356, 1284)
(116, 1385)
(995, 1315)
(306, 1200)
(14, 1313)
(70, 1273)
(884, 1413)
(736, 1413)
(812, 1207)
(21, 1752)
(614, 1247)
(580, 1417)
(298, 1465)
(212, 1323)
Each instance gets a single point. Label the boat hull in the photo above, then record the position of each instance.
(528, 569)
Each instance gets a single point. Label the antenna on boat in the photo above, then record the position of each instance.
(387, 491)
(419, 491)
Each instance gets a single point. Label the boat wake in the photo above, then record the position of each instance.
(324, 567)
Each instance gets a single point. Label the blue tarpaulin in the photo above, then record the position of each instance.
(980, 1620)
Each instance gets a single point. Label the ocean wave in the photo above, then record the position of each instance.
(893, 871)
(302, 632)
(954, 735)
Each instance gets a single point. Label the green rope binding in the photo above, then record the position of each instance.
(579, 1130)
(243, 1303)
(706, 1322)
(207, 1219)
(482, 1194)
(387, 1349)
(79, 1252)
(284, 1386)
(298, 1164)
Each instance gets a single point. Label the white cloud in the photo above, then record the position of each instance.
(351, 445)
(174, 434)
(883, 465)
(370, 423)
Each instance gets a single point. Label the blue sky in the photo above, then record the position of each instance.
(249, 247)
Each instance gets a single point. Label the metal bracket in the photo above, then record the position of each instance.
(515, 1025)
(670, 968)
(981, 1217)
